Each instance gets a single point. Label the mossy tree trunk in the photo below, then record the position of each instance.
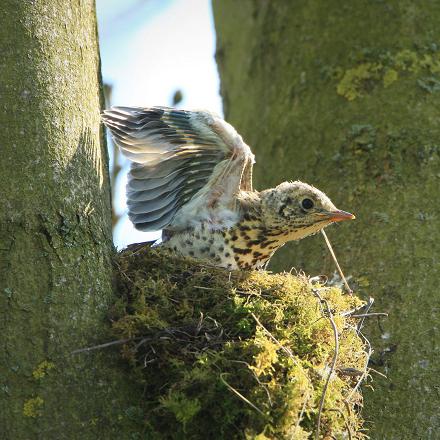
(55, 229)
(346, 96)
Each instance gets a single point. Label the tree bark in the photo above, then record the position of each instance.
(345, 95)
(55, 229)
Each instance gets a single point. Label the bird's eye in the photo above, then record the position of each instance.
(307, 204)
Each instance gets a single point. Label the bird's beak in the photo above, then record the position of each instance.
(340, 216)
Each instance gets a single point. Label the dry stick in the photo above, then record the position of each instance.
(203, 288)
(230, 387)
(364, 375)
(350, 312)
(327, 241)
(164, 334)
(107, 344)
(367, 310)
(301, 414)
(257, 379)
(349, 371)
(368, 315)
(333, 364)
(378, 372)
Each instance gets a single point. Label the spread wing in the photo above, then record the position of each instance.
(186, 166)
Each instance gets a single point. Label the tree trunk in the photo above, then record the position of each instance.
(55, 229)
(346, 96)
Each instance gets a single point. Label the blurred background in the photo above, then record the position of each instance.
(154, 52)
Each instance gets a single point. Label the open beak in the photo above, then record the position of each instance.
(340, 216)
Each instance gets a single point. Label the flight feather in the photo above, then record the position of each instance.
(186, 166)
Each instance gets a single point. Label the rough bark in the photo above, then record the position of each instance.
(55, 229)
(345, 95)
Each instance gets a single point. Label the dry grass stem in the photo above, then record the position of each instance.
(367, 360)
(230, 387)
(100, 346)
(332, 253)
(329, 315)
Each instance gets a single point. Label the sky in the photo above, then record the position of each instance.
(150, 49)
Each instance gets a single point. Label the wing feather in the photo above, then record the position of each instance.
(187, 166)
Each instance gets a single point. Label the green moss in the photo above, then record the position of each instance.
(32, 407)
(210, 370)
(42, 369)
(407, 60)
(183, 408)
(389, 77)
(357, 81)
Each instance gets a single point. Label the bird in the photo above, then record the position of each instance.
(191, 177)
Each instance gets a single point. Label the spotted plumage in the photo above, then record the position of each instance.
(191, 176)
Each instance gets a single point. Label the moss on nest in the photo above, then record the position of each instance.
(234, 355)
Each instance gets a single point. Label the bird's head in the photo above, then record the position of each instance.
(299, 208)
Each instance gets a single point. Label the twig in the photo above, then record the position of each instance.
(367, 309)
(349, 371)
(186, 333)
(350, 312)
(257, 379)
(361, 378)
(231, 388)
(144, 341)
(332, 253)
(107, 344)
(333, 363)
(378, 372)
(368, 315)
(301, 414)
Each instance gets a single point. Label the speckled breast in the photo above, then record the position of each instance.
(247, 245)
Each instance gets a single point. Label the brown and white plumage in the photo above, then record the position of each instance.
(186, 166)
(191, 175)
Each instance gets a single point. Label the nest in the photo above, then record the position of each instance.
(238, 355)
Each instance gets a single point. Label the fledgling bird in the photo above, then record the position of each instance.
(191, 176)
